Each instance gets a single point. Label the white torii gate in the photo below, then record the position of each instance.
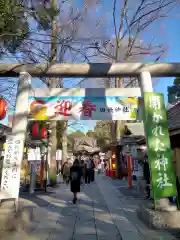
(25, 72)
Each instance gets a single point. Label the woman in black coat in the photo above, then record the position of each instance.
(76, 173)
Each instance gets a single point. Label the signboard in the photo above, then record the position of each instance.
(159, 149)
(11, 168)
(81, 105)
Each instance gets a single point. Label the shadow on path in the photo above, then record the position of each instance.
(53, 216)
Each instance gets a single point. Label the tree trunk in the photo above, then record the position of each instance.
(53, 84)
(52, 155)
(64, 135)
(64, 142)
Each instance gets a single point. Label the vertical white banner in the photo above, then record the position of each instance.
(10, 181)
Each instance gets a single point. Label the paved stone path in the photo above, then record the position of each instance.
(123, 210)
(100, 214)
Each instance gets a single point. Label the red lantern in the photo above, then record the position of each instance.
(43, 133)
(3, 108)
(35, 130)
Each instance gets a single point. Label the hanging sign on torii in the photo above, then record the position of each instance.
(84, 104)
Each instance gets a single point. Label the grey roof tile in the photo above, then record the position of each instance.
(173, 117)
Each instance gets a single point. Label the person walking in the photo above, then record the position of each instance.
(147, 178)
(75, 178)
(92, 170)
(82, 164)
(88, 169)
(66, 172)
(102, 166)
(99, 168)
(105, 165)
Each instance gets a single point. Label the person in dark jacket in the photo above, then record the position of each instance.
(75, 177)
(82, 169)
(92, 170)
(147, 178)
(88, 169)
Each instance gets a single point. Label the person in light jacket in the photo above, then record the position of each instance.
(66, 171)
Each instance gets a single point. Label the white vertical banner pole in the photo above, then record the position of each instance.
(145, 82)
(15, 143)
(20, 119)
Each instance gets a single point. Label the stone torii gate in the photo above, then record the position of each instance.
(142, 71)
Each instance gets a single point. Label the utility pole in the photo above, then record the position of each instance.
(53, 84)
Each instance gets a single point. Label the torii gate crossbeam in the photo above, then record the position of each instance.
(97, 70)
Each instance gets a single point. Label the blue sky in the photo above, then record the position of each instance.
(173, 54)
(169, 34)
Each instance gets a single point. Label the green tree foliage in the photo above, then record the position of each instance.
(14, 27)
(76, 134)
(102, 140)
(43, 12)
(91, 133)
(15, 20)
(103, 129)
(102, 132)
(176, 81)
